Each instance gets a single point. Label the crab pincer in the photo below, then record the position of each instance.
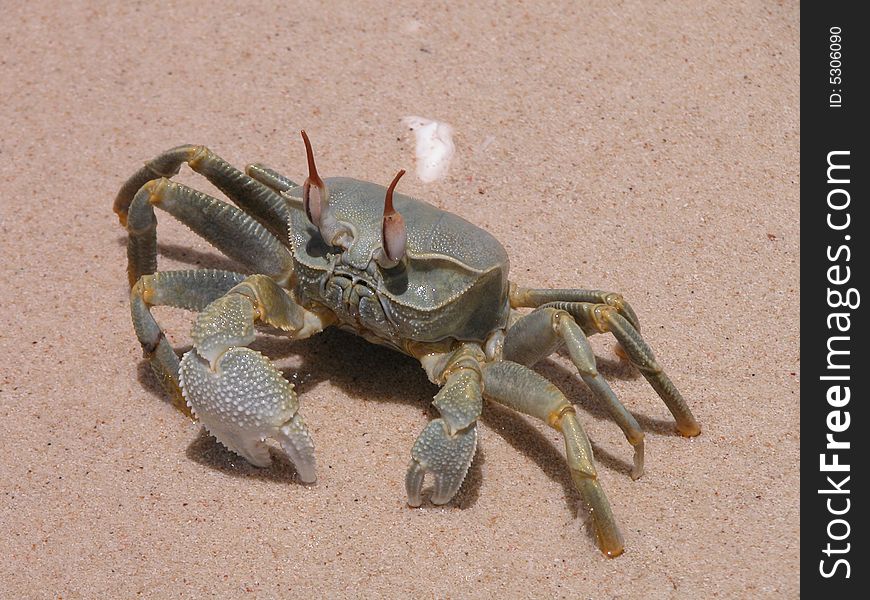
(234, 391)
(446, 446)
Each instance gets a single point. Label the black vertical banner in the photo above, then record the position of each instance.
(835, 227)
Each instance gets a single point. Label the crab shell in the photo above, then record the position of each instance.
(452, 283)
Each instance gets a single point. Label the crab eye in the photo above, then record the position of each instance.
(394, 234)
(314, 192)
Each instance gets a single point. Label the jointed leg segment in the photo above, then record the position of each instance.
(270, 177)
(601, 318)
(598, 311)
(521, 297)
(521, 389)
(265, 204)
(192, 290)
(226, 227)
(540, 333)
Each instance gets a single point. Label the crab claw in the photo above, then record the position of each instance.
(446, 456)
(243, 401)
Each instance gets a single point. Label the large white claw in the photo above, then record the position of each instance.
(242, 402)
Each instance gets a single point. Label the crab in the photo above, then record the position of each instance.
(394, 270)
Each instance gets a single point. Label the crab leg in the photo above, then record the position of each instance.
(238, 395)
(192, 290)
(521, 297)
(446, 446)
(540, 333)
(226, 227)
(270, 177)
(260, 201)
(601, 318)
(522, 389)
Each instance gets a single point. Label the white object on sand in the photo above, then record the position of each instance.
(434, 148)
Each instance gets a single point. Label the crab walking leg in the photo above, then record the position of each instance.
(540, 333)
(192, 290)
(238, 395)
(446, 446)
(524, 390)
(521, 297)
(271, 178)
(601, 318)
(258, 200)
(226, 227)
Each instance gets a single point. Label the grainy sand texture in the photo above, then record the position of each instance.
(645, 147)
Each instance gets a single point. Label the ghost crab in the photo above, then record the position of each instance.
(396, 271)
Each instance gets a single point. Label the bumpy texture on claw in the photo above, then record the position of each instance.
(446, 457)
(244, 401)
(446, 446)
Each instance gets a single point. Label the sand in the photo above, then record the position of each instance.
(647, 148)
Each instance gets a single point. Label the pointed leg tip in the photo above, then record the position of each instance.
(611, 543)
(689, 429)
(637, 468)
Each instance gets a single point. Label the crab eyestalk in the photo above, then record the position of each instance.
(315, 198)
(314, 192)
(394, 234)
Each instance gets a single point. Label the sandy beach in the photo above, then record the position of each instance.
(642, 147)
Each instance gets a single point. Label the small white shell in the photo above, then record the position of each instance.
(434, 148)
